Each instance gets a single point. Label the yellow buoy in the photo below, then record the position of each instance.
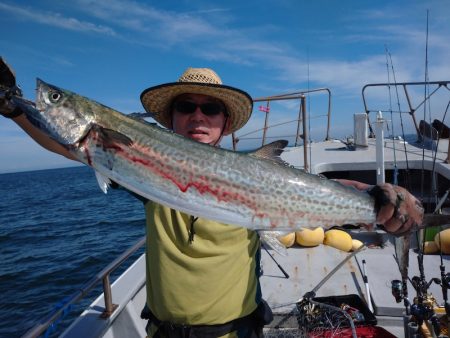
(442, 240)
(356, 244)
(308, 237)
(430, 247)
(287, 240)
(338, 239)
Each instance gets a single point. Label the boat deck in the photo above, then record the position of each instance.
(306, 266)
(334, 155)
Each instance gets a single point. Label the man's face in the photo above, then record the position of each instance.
(190, 121)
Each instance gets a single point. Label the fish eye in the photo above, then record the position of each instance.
(54, 96)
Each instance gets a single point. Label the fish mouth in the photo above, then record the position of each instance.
(34, 116)
(40, 101)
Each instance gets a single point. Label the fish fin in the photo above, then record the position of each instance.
(103, 182)
(110, 141)
(271, 151)
(141, 117)
(110, 136)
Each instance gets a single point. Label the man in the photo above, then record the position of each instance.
(203, 276)
(201, 272)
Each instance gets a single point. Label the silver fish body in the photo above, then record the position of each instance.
(198, 179)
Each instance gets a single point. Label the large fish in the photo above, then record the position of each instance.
(246, 189)
(255, 190)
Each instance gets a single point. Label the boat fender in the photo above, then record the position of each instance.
(356, 244)
(430, 247)
(442, 240)
(287, 240)
(338, 239)
(310, 237)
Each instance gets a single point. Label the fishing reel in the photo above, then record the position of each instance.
(424, 311)
(397, 290)
(421, 285)
(446, 281)
(422, 307)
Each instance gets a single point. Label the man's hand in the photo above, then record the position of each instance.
(6, 106)
(401, 210)
(8, 88)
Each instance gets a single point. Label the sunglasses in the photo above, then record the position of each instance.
(208, 109)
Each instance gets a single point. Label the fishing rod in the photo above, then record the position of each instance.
(422, 308)
(407, 183)
(392, 117)
(311, 294)
(399, 288)
(445, 277)
(286, 275)
(366, 282)
(445, 285)
(307, 303)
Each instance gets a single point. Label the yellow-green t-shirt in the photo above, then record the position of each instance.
(212, 280)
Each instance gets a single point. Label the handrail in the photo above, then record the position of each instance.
(300, 95)
(412, 109)
(302, 118)
(103, 276)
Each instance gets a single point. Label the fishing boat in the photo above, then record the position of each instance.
(360, 292)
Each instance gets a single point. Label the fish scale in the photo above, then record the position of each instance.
(245, 189)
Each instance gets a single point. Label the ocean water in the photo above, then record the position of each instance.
(57, 229)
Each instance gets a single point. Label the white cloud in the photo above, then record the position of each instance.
(157, 25)
(56, 20)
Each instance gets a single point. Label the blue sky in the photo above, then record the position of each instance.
(113, 49)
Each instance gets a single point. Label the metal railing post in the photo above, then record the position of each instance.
(44, 323)
(305, 136)
(107, 294)
(265, 123)
(447, 160)
(299, 121)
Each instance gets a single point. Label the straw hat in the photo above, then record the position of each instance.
(158, 99)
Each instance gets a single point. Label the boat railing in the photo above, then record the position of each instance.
(433, 88)
(104, 277)
(301, 120)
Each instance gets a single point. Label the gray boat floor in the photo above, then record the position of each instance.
(306, 267)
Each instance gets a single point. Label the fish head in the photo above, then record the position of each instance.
(64, 116)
